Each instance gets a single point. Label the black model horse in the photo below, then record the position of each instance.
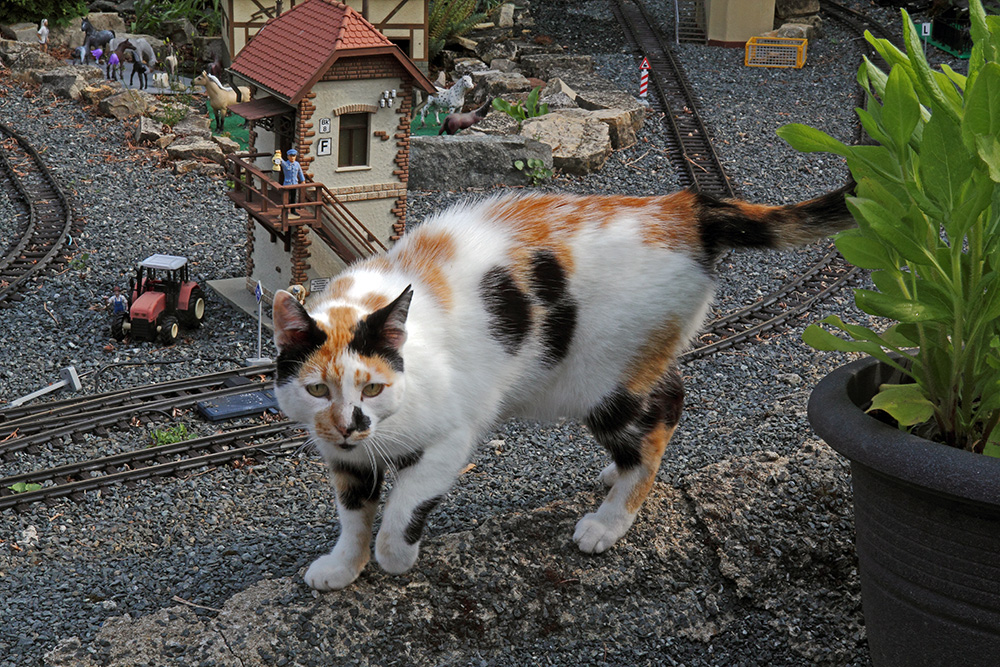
(95, 39)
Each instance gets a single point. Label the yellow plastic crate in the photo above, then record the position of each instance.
(775, 52)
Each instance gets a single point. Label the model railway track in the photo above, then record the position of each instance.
(27, 431)
(75, 479)
(50, 216)
(692, 151)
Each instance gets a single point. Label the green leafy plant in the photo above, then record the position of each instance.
(59, 12)
(23, 487)
(170, 435)
(151, 15)
(449, 19)
(79, 263)
(522, 110)
(928, 210)
(534, 169)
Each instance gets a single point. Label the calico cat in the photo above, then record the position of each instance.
(542, 307)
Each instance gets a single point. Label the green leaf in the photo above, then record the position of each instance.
(945, 165)
(22, 487)
(982, 106)
(810, 140)
(988, 149)
(903, 310)
(945, 98)
(959, 80)
(901, 108)
(893, 231)
(862, 251)
(906, 403)
(519, 164)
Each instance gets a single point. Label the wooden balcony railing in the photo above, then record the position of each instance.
(270, 203)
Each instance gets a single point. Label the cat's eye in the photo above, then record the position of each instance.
(372, 390)
(319, 390)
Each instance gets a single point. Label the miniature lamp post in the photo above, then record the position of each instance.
(69, 379)
(259, 360)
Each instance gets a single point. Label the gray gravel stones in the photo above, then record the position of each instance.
(742, 556)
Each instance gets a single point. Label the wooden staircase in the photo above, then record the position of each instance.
(689, 21)
(270, 204)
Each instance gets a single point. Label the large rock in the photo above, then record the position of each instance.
(786, 9)
(96, 93)
(126, 104)
(543, 65)
(465, 66)
(226, 144)
(580, 144)
(20, 32)
(148, 131)
(493, 83)
(68, 81)
(190, 148)
(22, 57)
(598, 100)
(103, 21)
(460, 161)
(496, 123)
(619, 122)
(194, 125)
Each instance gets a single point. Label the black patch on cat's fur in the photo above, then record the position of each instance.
(612, 423)
(416, 526)
(363, 486)
(291, 358)
(407, 460)
(665, 402)
(722, 225)
(557, 331)
(359, 421)
(508, 308)
(370, 338)
(548, 280)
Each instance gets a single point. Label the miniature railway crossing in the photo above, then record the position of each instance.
(689, 142)
(49, 214)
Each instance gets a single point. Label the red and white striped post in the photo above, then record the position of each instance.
(644, 78)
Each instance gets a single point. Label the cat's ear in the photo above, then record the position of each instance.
(293, 328)
(392, 318)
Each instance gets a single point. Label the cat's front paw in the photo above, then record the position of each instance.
(595, 534)
(331, 573)
(609, 475)
(395, 556)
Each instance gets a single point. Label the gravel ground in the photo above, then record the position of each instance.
(743, 555)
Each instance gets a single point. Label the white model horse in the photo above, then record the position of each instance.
(451, 99)
(221, 97)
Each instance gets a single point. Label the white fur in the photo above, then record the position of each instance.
(458, 380)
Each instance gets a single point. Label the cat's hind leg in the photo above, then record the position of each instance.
(635, 430)
(357, 499)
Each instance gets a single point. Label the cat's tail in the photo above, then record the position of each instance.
(725, 224)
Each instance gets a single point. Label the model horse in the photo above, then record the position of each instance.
(94, 38)
(116, 61)
(451, 99)
(455, 122)
(221, 97)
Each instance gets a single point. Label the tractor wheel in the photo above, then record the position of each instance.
(117, 326)
(195, 313)
(169, 330)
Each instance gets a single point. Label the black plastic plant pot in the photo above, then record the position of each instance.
(928, 531)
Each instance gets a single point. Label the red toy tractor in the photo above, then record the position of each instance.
(161, 298)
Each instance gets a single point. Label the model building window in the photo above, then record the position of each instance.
(353, 140)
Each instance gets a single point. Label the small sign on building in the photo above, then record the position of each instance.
(324, 146)
(324, 126)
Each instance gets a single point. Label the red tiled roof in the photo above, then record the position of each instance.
(289, 53)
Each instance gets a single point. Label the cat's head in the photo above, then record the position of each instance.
(340, 372)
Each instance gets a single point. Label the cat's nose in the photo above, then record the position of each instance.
(346, 431)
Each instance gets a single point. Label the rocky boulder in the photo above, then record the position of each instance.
(492, 83)
(20, 32)
(96, 93)
(190, 148)
(612, 99)
(227, 145)
(465, 66)
(461, 161)
(620, 129)
(787, 9)
(194, 125)
(580, 144)
(495, 123)
(22, 56)
(126, 104)
(198, 167)
(148, 131)
(69, 81)
(544, 65)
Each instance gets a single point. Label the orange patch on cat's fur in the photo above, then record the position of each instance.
(379, 366)
(338, 288)
(651, 452)
(424, 256)
(373, 301)
(653, 359)
(362, 377)
(675, 225)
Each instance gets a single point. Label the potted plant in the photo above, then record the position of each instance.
(918, 418)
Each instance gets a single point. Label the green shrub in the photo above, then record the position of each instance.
(519, 111)
(58, 12)
(205, 15)
(449, 19)
(169, 436)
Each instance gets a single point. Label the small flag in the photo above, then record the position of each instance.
(258, 292)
